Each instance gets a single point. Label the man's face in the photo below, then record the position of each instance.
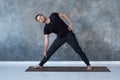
(41, 19)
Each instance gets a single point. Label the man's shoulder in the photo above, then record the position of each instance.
(54, 15)
(46, 25)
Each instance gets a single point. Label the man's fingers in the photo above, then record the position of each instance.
(45, 55)
(69, 28)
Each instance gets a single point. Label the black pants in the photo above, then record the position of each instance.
(71, 40)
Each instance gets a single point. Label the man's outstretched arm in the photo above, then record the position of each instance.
(63, 15)
(46, 42)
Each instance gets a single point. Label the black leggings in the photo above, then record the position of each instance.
(72, 41)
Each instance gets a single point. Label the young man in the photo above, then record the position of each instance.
(54, 24)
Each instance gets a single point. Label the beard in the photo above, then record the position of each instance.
(45, 20)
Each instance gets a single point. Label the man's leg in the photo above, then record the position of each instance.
(72, 41)
(56, 44)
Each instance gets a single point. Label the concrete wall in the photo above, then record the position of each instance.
(96, 24)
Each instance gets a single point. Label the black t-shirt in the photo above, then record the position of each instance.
(56, 25)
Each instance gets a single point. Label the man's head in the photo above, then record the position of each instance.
(40, 18)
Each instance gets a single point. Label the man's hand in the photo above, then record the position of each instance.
(45, 55)
(69, 28)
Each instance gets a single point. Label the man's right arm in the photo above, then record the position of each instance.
(46, 42)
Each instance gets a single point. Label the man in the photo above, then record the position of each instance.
(55, 24)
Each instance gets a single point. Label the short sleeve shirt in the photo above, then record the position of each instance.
(56, 25)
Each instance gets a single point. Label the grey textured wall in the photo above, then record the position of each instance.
(96, 24)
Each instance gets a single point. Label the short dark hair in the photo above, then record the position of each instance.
(37, 16)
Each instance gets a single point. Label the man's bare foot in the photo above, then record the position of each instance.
(37, 67)
(89, 68)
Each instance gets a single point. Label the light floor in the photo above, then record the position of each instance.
(16, 71)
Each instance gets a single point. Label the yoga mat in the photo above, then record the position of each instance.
(67, 69)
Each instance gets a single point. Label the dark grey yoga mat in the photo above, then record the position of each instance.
(67, 69)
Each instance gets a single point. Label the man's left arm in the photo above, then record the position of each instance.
(63, 15)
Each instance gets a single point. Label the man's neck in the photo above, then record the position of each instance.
(47, 20)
